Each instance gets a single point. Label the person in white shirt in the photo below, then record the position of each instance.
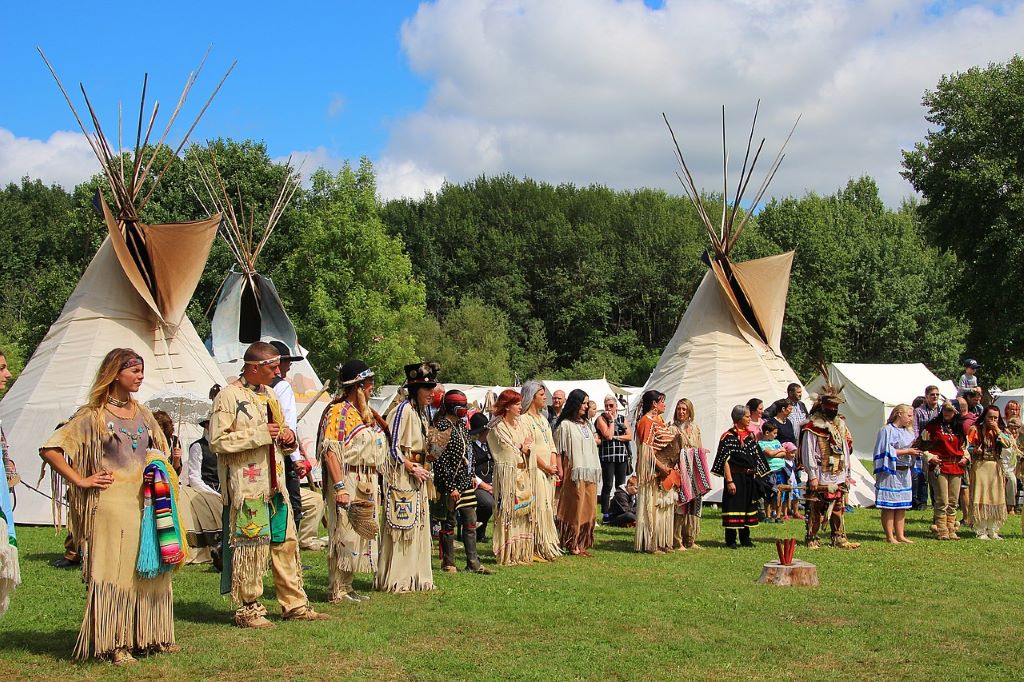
(308, 504)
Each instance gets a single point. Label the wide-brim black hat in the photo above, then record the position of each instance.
(285, 352)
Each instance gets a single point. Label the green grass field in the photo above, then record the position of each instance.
(928, 611)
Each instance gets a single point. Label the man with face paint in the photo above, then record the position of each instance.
(454, 480)
(825, 450)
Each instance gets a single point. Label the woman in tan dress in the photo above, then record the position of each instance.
(687, 515)
(510, 441)
(988, 489)
(544, 470)
(352, 447)
(101, 453)
(404, 563)
(579, 468)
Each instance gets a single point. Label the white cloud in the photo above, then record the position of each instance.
(405, 179)
(574, 90)
(65, 159)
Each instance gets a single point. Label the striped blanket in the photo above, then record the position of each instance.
(695, 479)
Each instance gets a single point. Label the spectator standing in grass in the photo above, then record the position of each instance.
(1011, 412)
(555, 409)
(776, 456)
(616, 435)
(895, 457)
(756, 408)
(922, 415)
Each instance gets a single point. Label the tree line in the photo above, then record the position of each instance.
(502, 278)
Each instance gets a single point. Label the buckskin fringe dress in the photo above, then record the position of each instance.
(577, 505)
(360, 449)
(404, 562)
(514, 501)
(122, 609)
(988, 488)
(655, 506)
(545, 533)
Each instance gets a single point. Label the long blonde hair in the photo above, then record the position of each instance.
(106, 376)
(689, 411)
(896, 412)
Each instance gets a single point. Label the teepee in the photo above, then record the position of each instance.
(726, 348)
(133, 294)
(248, 307)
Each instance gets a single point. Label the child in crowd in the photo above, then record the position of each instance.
(968, 380)
(776, 455)
(622, 508)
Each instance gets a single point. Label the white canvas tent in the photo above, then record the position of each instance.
(596, 389)
(1006, 396)
(872, 390)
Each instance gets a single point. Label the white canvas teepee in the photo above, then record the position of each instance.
(248, 306)
(726, 348)
(717, 359)
(133, 294)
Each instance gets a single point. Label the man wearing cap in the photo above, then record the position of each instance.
(968, 380)
(453, 477)
(352, 447)
(250, 439)
(825, 450)
(483, 473)
(404, 564)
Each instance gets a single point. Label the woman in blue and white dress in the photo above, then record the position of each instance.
(896, 459)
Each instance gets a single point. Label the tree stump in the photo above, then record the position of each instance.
(799, 574)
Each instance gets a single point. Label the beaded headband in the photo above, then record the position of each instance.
(131, 362)
(365, 374)
(260, 363)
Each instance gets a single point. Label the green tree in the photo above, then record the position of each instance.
(970, 171)
(865, 286)
(471, 344)
(346, 283)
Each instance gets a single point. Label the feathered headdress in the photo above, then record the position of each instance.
(828, 391)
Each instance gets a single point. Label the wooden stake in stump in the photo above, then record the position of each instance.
(798, 574)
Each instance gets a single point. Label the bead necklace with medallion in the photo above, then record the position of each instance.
(133, 435)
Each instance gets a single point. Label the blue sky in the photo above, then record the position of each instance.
(560, 91)
(331, 76)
